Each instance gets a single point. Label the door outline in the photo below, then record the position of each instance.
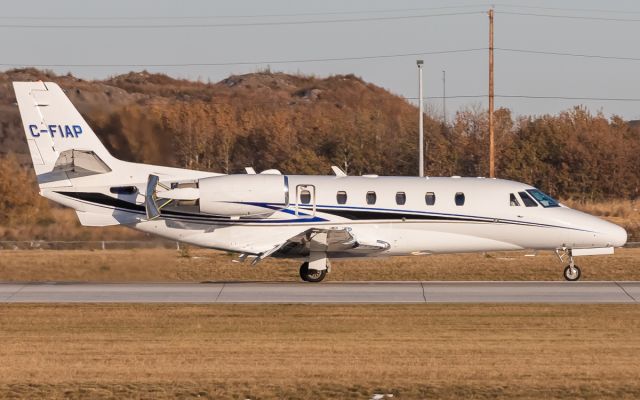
(310, 188)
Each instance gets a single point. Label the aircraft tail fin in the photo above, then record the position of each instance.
(61, 143)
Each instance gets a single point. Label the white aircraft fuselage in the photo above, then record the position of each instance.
(314, 218)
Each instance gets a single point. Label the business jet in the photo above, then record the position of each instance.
(311, 218)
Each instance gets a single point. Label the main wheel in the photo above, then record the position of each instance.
(311, 275)
(572, 273)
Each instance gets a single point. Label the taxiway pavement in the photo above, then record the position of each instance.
(327, 292)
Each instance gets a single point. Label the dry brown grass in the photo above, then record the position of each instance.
(625, 213)
(63, 225)
(164, 265)
(627, 209)
(316, 352)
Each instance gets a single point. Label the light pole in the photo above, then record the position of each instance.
(444, 97)
(492, 153)
(420, 120)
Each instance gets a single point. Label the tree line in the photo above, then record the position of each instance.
(303, 125)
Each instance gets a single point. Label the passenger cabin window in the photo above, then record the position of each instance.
(544, 199)
(513, 201)
(401, 198)
(430, 198)
(528, 201)
(305, 197)
(124, 190)
(371, 197)
(459, 199)
(341, 197)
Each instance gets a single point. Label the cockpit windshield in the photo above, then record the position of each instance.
(544, 199)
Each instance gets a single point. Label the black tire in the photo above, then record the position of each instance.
(304, 271)
(311, 275)
(574, 275)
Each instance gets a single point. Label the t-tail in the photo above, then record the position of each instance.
(69, 159)
(61, 143)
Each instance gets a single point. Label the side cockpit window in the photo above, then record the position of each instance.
(513, 201)
(527, 200)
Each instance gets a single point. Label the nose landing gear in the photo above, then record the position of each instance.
(572, 272)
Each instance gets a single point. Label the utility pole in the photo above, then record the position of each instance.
(492, 155)
(444, 97)
(420, 120)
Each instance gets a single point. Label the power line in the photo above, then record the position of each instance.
(204, 17)
(354, 12)
(328, 59)
(532, 97)
(285, 15)
(571, 98)
(307, 14)
(225, 100)
(595, 10)
(460, 96)
(237, 24)
(556, 53)
(578, 17)
(293, 61)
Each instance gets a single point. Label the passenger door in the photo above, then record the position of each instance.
(305, 198)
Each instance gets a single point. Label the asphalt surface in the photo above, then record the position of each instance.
(328, 292)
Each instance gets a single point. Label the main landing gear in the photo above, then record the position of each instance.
(311, 275)
(572, 272)
(317, 266)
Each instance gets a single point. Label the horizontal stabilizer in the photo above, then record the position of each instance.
(80, 163)
(94, 219)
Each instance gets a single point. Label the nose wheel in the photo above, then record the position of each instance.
(311, 275)
(572, 273)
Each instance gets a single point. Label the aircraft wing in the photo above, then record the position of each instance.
(329, 240)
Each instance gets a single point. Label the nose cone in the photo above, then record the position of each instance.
(607, 234)
(615, 235)
(589, 231)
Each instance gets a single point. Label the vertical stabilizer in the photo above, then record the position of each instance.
(60, 141)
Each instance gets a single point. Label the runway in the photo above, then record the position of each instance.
(328, 292)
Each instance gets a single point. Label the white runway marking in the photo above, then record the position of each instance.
(328, 292)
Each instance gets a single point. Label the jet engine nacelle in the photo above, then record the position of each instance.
(243, 195)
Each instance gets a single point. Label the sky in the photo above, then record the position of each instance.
(93, 39)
